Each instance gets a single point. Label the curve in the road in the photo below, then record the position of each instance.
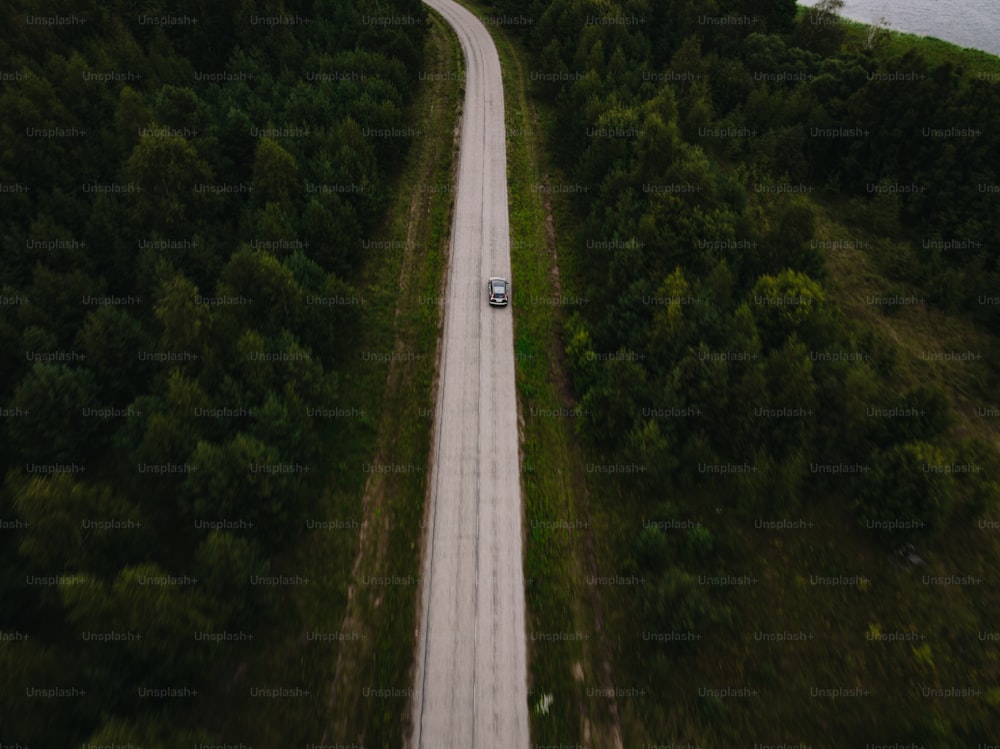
(471, 680)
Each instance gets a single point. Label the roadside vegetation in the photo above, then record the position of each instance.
(201, 377)
(557, 605)
(786, 373)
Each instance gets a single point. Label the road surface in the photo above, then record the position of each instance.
(471, 680)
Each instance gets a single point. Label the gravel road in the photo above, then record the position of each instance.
(471, 681)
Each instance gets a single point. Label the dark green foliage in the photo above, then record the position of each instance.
(226, 562)
(819, 31)
(921, 413)
(712, 341)
(739, 241)
(906, 495)
(56, 538)
(110, 338)
(48, 424)
(163, 329)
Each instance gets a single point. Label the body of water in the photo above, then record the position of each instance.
(968, 23)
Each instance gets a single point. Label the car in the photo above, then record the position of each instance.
(499, 291)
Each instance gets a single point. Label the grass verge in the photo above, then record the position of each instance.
(565, 654)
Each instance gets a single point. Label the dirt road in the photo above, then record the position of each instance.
(471, 688)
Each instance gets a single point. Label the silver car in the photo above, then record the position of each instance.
(499, 291)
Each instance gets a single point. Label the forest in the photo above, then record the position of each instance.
(186, 196)
(701, 147)
(186, 190)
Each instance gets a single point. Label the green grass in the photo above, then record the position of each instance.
(935, 51)
(839, 619)
(856, 274)
(395, 402)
